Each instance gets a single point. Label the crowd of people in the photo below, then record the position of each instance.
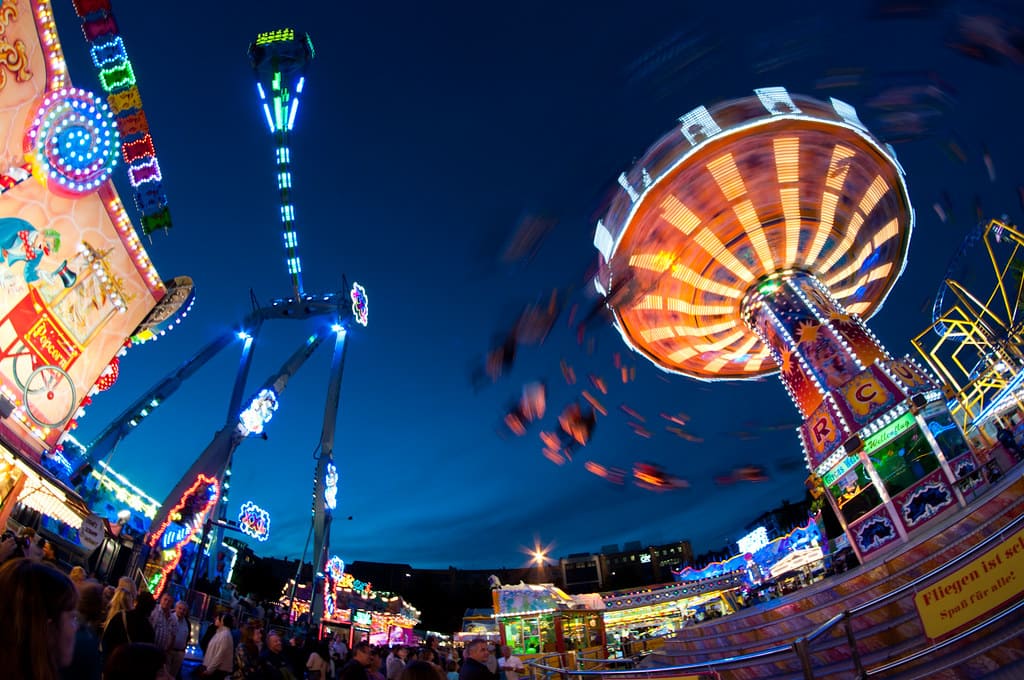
(58, 626)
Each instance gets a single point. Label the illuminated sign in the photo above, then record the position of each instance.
(754, 541)
(645, 558)
(76, 278)
(349, 582)
(890, 431)
(362, 618)
(175, 533)
(838, 471)
(360, 305)
(254, 521)
(258, 413)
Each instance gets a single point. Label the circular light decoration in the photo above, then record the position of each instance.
(360, 305)
(74, 141)
(336, 567)
(254, 521)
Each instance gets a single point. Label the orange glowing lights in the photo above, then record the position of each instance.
(715, 219)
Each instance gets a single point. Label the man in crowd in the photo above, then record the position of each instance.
(512, 665)
(474, 667)
(219, 659)
(274, 658)
(356, 668)
(182, 636)
(395, 663)
(339, 650)
(164, 622)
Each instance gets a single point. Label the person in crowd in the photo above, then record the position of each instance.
(47, 552)
(318, 664)
(421, 670)
(427, 655)
(274, 663)
(453, 670)
(1009, 442)
(127, 584)
(358, 667)
(137, 661)
(86, 662)
(474, 666)
(77, 575)
(8, 546)
(211, 630)
(395, 662)
(247, 652)
(164, 622)
(376, 661)
(108, 595)
(121, 601)
(339, 650)
(492, 659)
(510, 665)
(129, 626)
(38, 620)
(295, 652)
(218, 660)
(182, 636)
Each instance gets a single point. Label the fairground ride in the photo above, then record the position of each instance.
(975, 340)
(754, 239)
(197, 503)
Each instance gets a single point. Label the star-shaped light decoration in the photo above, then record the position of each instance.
(841, 317)
(788, 361)
(808, 331)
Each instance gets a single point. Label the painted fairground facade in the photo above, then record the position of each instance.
(75, 280)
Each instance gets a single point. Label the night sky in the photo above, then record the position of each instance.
(427, 133)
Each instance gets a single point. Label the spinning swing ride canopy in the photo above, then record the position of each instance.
(743, 190)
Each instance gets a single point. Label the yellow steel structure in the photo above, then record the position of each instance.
(975, 345)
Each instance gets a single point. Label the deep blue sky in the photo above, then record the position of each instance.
(426, 133)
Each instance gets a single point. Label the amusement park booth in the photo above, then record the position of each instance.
(477, 623)
(360, 613)
(76, 279)
(634, 618)
(543, 619)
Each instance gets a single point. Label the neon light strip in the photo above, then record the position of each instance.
(117, 77)
(199, 519)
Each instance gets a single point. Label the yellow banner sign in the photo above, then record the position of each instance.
(979, 587)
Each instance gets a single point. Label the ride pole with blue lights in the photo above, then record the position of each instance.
(279, 60)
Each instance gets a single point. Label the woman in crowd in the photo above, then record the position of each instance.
(121, 601)
(37, 620)
(129, 626)
(319, 662)
(86, 663)
(247, 653)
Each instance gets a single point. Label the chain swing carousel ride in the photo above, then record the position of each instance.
(756, 238)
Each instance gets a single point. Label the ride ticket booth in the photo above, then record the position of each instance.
(535, 620)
